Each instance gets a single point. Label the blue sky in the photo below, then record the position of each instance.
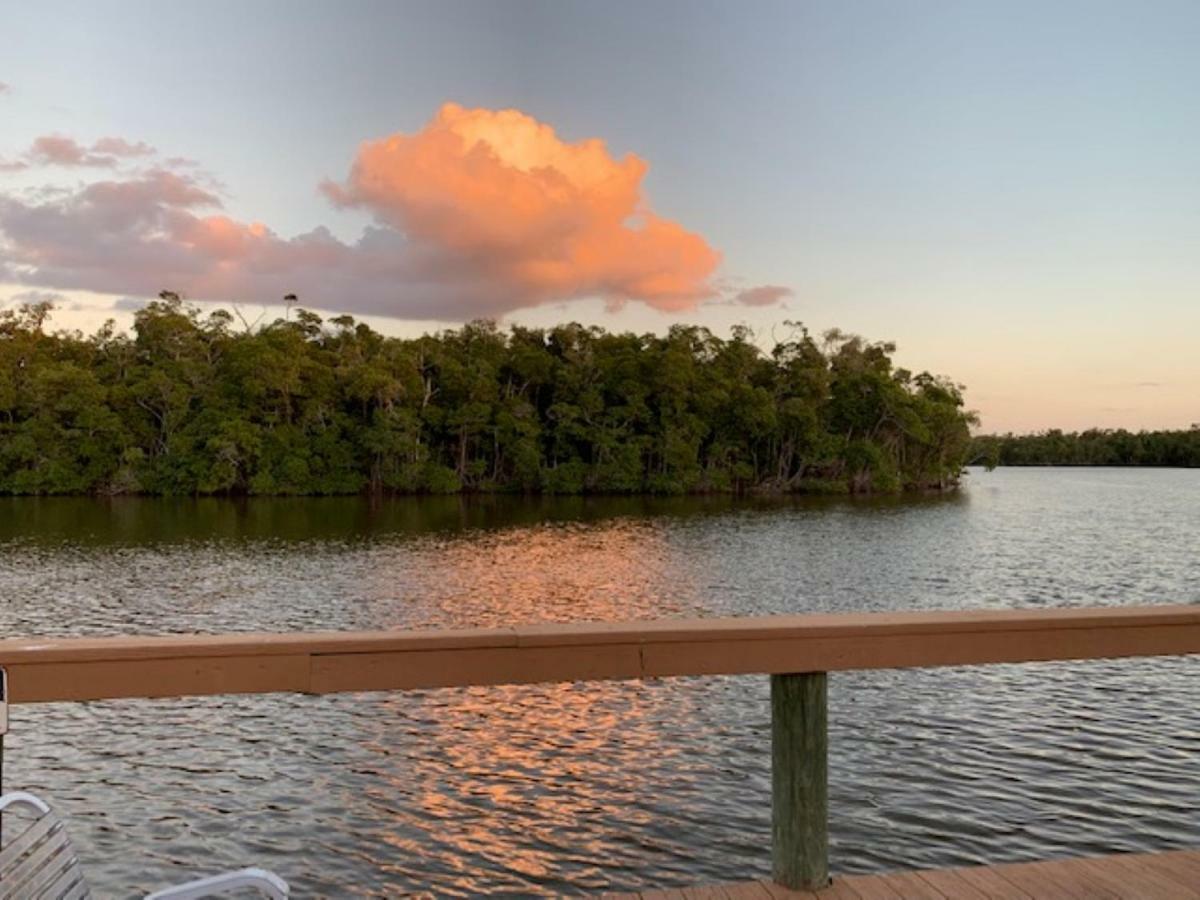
(1008, 190)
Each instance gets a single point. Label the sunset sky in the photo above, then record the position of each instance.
(1010, 191)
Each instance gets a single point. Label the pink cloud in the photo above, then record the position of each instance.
(162, 230)
(57, 150)
(117, 146)
(5, 88)
(479, 213)
(763, 295)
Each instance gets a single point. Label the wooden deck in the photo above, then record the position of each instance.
(797, 652)
(1126, 876)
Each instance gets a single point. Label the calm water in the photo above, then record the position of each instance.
(571, 789)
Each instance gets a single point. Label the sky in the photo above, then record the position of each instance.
(1010, 191)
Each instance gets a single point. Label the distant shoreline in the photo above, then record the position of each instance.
(1117, 448)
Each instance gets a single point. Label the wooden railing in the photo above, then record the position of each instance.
(796, 651)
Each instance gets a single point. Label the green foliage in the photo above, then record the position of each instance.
(1095, 447)
(186, 404)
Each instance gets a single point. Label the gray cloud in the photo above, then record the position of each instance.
(38, 297)
(763, 295)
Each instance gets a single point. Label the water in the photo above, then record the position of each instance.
(578, 788)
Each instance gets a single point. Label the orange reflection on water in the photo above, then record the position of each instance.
(550, 572)
(520, 780)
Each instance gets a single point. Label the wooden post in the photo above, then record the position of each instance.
(799, 781)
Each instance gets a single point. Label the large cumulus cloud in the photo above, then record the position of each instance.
(500, 195)
(479, 213)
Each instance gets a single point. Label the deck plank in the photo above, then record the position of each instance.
(747, 890)
(1135, 876)
(708, 892)
(953, 885)
(775, 891)
(838, 889)
(873, 887)
(1089, 881)
(779, 892)
(1174, 875)
(993, 885)
(750, 890)
(1095, 881)
(1140, 885)
(1182, 865)
(912, 886)
(1040, 879)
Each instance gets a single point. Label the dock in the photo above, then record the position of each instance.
(1124, 876)
(797, 653)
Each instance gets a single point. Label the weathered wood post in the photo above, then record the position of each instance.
(800, 781)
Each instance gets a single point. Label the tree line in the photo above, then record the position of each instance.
(1094, 447)
(189, 404)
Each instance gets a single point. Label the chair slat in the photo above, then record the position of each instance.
(61, 886)
(39, 868)
(26, 840)
(79, 892)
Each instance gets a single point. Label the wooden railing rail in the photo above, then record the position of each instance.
(797, 651)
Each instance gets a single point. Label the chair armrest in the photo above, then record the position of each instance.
(268, 883)
(14, 798)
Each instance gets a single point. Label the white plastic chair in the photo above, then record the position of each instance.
(40, 864)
